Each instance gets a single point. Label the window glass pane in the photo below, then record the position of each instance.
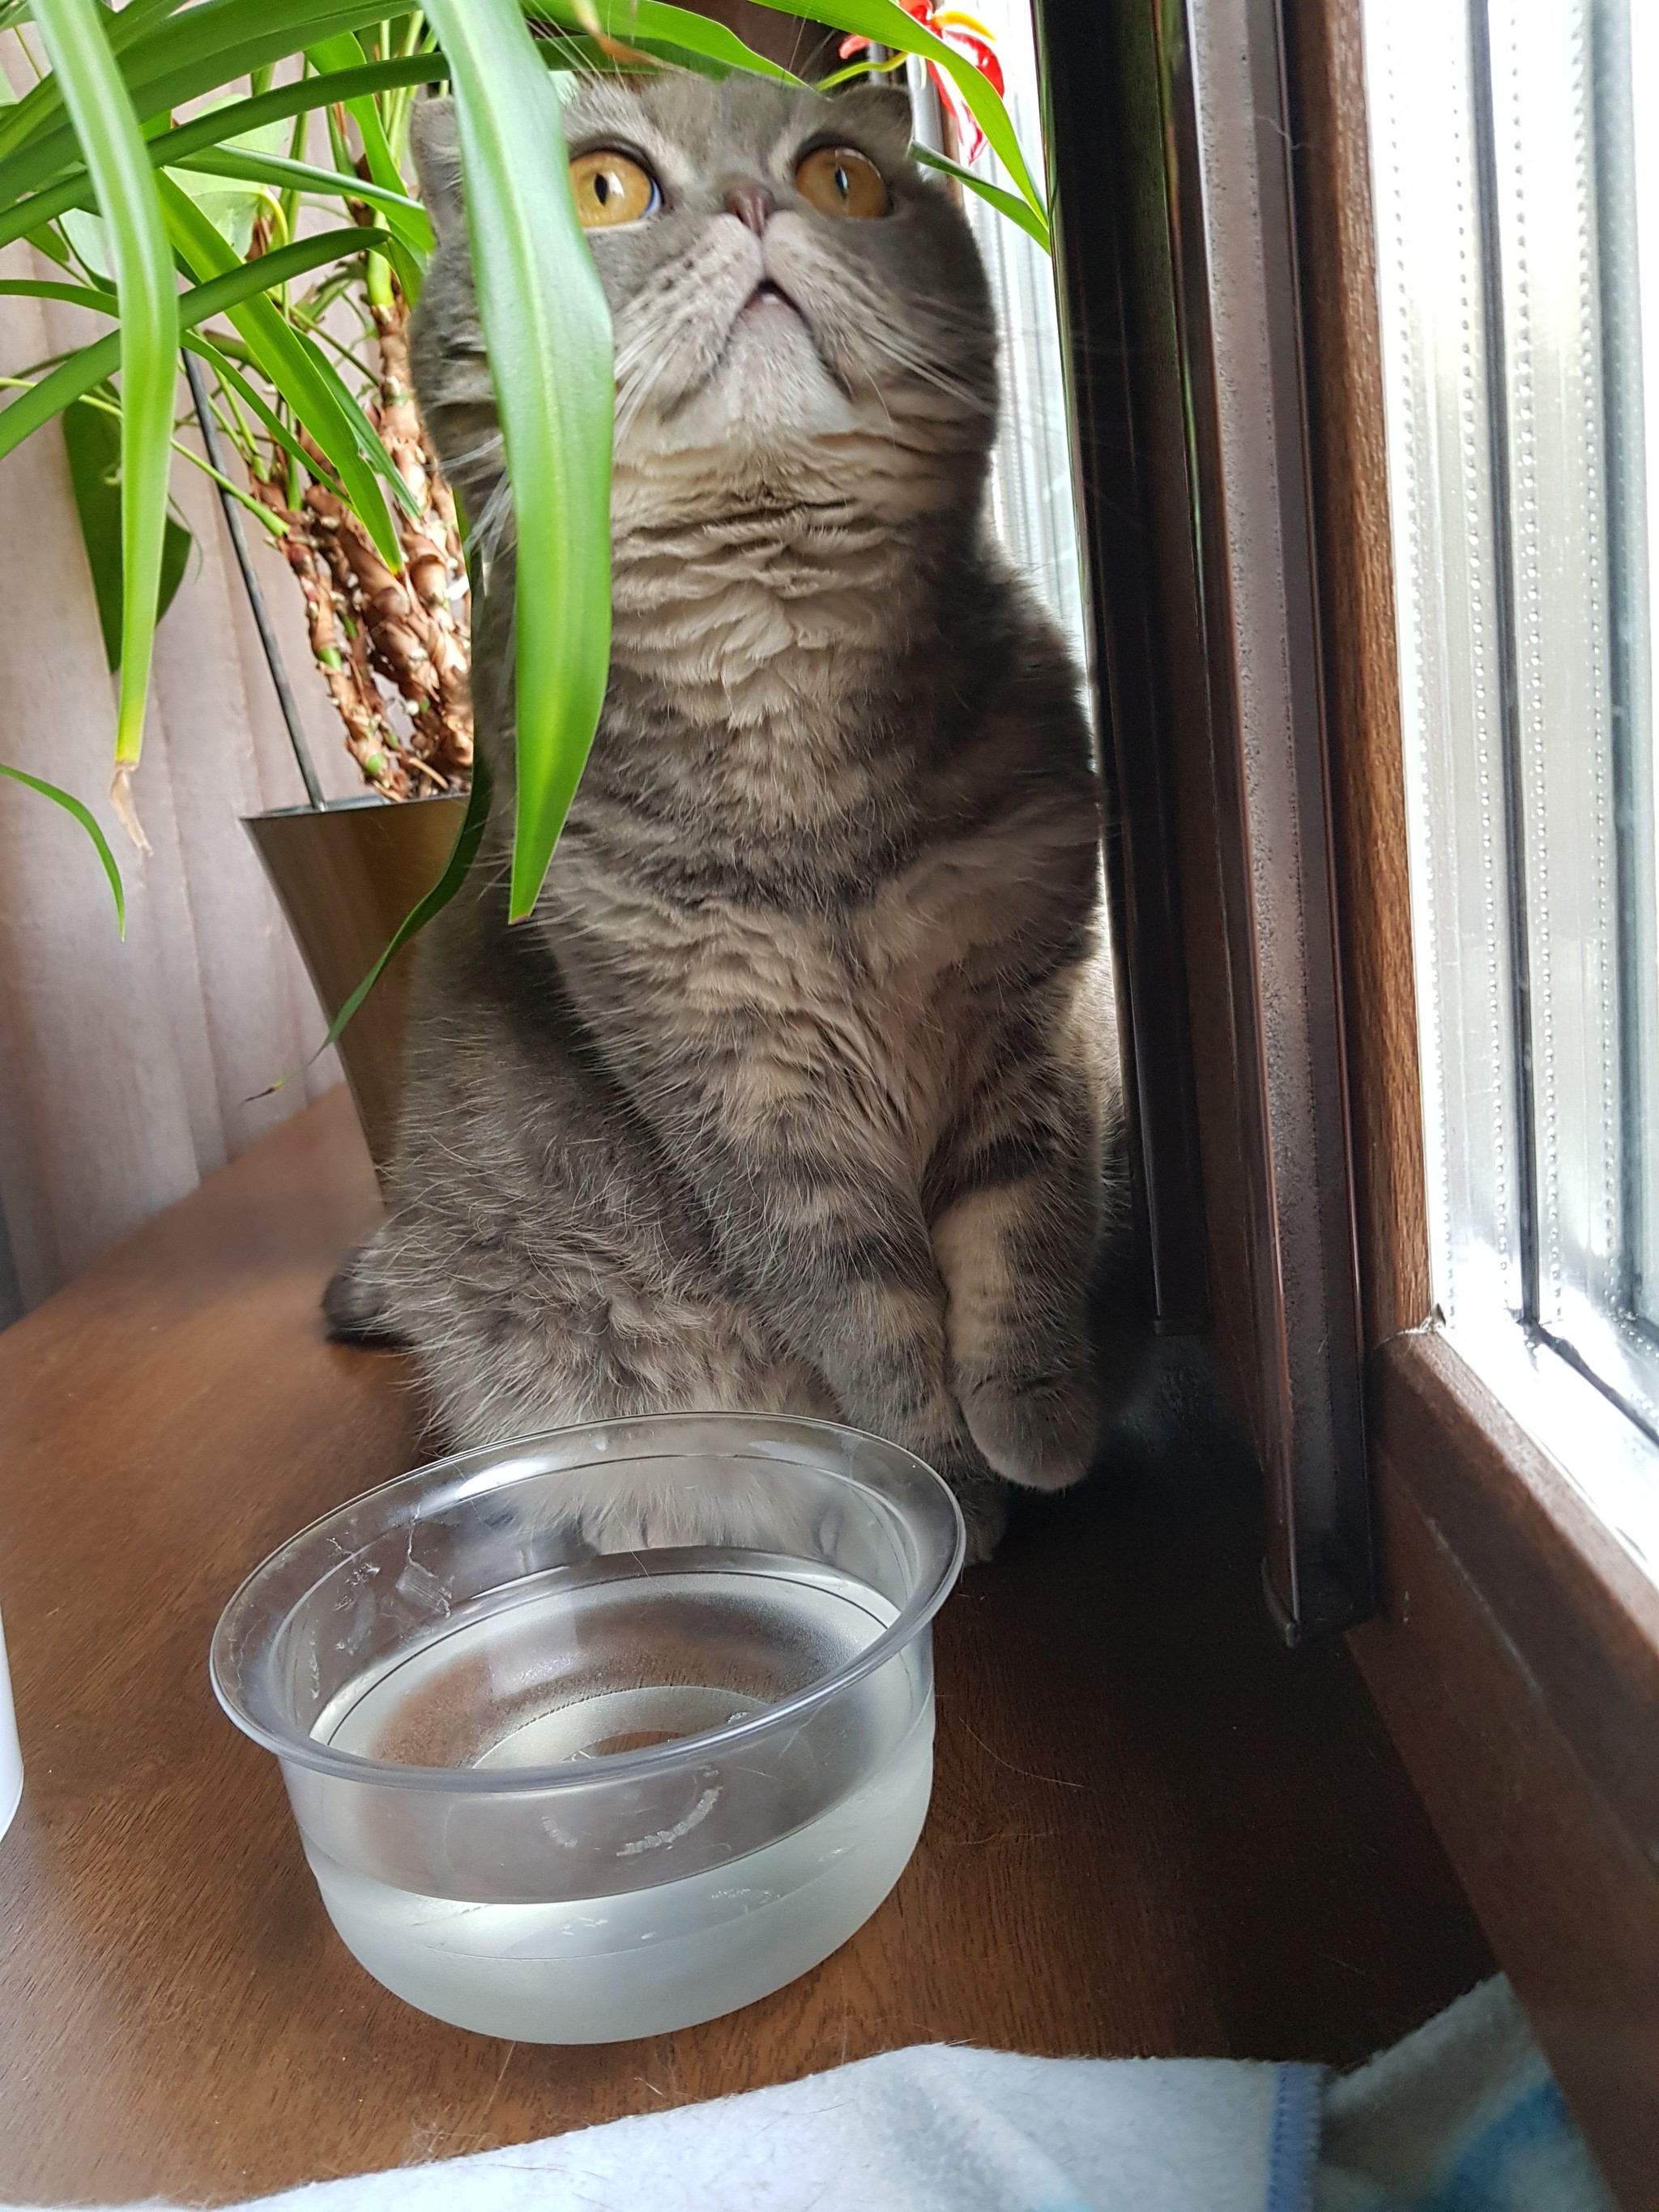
(1627, 85)
(1516, 160)
(1438, 353)
(1544, 129)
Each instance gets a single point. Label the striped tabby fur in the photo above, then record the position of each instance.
(798, 1091)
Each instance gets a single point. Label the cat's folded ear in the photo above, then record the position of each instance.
(436, 144)
(884, 107)
(888, 93)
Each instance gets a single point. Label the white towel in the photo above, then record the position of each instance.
(930, 2130)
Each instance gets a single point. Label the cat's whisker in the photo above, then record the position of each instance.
(913, 362)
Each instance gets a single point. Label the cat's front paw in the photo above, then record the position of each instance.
(1040, 1433)
(355, 1306)
(984, 1501)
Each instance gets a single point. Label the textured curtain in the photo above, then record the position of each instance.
(130, 1070)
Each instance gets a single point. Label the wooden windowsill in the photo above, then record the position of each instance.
(1153, 1830)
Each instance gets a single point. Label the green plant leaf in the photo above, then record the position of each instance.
(547, 331)
(196, 50)
(232, 213)
(220, 296)
(368, 440)
(70, 805)
(649, 23)
(72, 295)
(45, 239)
(333, 88)
(41, 210)
(886, 22)
(295, 366)
(85, 232)
(298, 367)
(44, 101)
(1005, 202)
(216, 41)
(716, 49)
(93, 439)
(331, 56)
(462, 854)
(406, 218)
(85, 67)
(233, 380)
(225, 126)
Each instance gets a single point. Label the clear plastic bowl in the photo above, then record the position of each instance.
(605, 1732)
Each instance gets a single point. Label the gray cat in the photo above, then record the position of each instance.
(799, 1090)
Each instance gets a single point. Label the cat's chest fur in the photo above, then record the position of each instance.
(776, 880)
(765, 631)
(868, 958)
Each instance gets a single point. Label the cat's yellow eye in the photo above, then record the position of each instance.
(839, 180)
(611, 188)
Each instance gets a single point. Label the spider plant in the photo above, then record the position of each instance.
(170, 160)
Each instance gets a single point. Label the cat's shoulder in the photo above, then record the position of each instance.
(1014, 699)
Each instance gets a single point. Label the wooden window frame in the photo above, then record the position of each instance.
(1184, 333)
(1516, 1657)
(1514, 1650)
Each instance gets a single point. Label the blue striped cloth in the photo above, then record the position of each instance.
(1462, 2117)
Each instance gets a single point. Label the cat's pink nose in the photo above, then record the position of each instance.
(751, 204)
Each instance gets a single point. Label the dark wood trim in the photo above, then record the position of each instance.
(1123, 381)
(1513, 1662)
(1577, 1615)
(1237, 295)
(1173, 177)
(1325, 70)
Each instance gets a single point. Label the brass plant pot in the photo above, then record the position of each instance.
(346, 876)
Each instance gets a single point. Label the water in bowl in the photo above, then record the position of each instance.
(581, 1666)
